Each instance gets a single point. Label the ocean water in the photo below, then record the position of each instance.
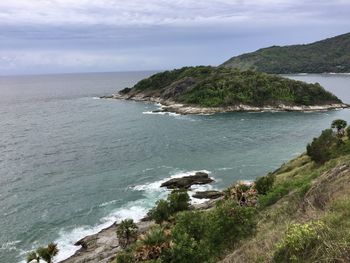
(72, 164)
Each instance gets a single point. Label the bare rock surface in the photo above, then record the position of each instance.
(187, 181)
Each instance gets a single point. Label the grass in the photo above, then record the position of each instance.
(299, 186)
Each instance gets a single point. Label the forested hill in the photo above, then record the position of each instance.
(213, 87)
(329, 55)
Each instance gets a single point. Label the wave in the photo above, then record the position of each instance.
(154, 188)
(10, 246)
(161, 113)
(68, 237)
(134, 209)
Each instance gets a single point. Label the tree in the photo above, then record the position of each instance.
(264, 184)
(179, 200)
(340, 125)
(320, 150)
(126, 230)
(47, 253)
(161, 212)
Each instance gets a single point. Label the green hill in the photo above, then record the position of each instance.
(329, 55)
(222, 87)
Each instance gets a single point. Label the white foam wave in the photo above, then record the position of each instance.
(67, 238)
(154, 187)
(96, 98)
(135, 210)
(108, 203)
(10, 246)
(161, 113)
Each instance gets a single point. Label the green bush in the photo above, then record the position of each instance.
(229, 223)
(320, 150)
(202, 236)
(125, 257)
(348, 131)
(178, 200)
(154, 237)
(161, 212)
(126, 231)
(45, 253)
(273, 195)
(298, 242)
(264, 184)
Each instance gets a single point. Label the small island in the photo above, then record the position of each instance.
(209, 90)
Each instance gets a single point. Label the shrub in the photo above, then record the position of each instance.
(193, 223)
(264, 184)
(154, 237)
(320, 150)
(32, 256)
(46, 253)
(179, 200)
(185, 249)
(229, 223)
(274, 195)
(298, 242)
(243, 194)
(125, 257)
(161, 212)
(348, 131)
(153, 245)
(126, 231)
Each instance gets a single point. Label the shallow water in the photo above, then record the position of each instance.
(71, 164)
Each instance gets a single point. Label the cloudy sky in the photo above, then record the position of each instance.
(53, 36)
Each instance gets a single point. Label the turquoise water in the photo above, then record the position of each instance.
(72, 164)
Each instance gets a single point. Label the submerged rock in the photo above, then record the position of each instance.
(187, 181)
(208, 194)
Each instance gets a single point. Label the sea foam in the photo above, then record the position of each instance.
(135, 210)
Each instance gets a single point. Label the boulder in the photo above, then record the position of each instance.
(208, 195)
(187, 181)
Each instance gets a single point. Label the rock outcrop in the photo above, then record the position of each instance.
(208, 194)
(187, 181)
(103, 246)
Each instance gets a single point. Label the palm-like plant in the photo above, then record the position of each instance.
(33, 256)
(47, 253)
(340, 125)
(126, 230)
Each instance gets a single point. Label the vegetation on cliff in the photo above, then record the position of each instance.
(329, 55)
(299, 213)
(213, 87)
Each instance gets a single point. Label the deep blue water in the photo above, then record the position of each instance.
(71, 164)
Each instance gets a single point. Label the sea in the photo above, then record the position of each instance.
(71, 164)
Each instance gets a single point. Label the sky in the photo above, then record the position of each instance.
(67, 36)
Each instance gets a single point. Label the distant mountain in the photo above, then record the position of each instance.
(329, 55)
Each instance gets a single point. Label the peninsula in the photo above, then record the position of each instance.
(209, 90)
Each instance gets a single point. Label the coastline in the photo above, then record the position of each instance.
(103, 246)
(183, 109)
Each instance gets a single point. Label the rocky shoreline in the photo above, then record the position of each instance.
(171, 106)
(103, 246)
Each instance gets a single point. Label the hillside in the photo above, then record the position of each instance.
(329, 55)
(304, 217)
(224, 87)
(299, 213)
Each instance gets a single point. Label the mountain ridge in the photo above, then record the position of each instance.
(327, 55)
